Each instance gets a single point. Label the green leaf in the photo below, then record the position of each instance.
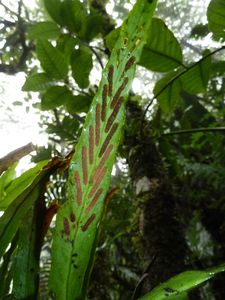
(112, 37)
(78, 104)
(167, 91)
(78, 220)
(94, 25)
(73, 15)
(195, 80)
(16, 211)
(53, 9)
(81, 63)
(66, 44)
(37, 82)
(52, 60)
(26, 261)
(55, 96)
(19, 184)
(5, 180)
(6, 269)
(162, 53)
(216, 18)
(184, 282)
(44, 30)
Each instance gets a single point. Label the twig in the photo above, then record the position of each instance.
(145, 275)
(12, 157)
(172, 81)
(97, 56)
(211, 129)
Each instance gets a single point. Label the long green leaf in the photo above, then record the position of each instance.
(78, 220)
(19, 184)
(14, 214)
(177, 286)
(26, 262)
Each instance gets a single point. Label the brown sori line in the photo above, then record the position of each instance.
(87, 224)
(129, 63)
(79, 188)
(94, 200)
(119, 91)
(72, 217)
(108, 138)
(84, 164)
(66, 226)
(104, 102)
(114, 113)
(98, 180)
(102, 162)
(97, 123)
(110, 80)
(91, 144)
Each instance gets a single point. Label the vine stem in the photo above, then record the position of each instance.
(172, 81)
(210, 129)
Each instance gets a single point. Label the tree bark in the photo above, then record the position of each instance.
(161, 235)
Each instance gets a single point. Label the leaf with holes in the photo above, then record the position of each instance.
(177, 286)
(78, 220)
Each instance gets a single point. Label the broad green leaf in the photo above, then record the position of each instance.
(52, 60)
(66, 43)
(78, 104)
(73, 15)
(184, 282)
(78, 220)
(167, 91)
(81, 63)
(94, 26)
(19, 184)
(53, 9)
(37, 82)
(196, 78)
(216, 18)
(55, 96)
(44, 30)
(16, 211)
(162, 52)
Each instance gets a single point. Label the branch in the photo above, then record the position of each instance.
(174, 79)
(15, 155)
(211, 129)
